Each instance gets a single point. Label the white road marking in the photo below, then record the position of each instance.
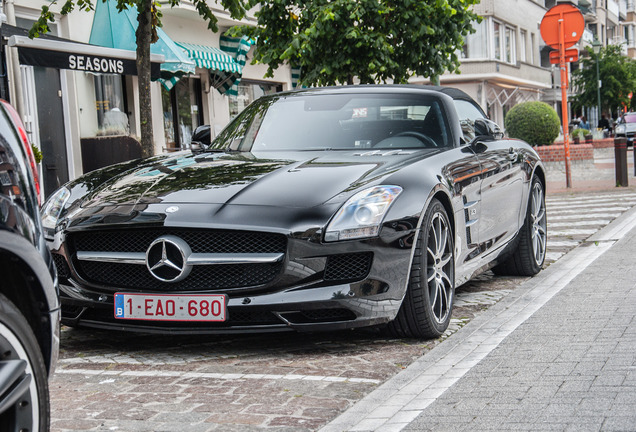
(593, 222)
(209, 375)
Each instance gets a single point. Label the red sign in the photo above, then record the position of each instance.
(573, 25)
(571, 55)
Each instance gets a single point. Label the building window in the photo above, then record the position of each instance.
(110, 104)
(509, 45)
(476, 46)
(497, 40)
(249, 91)
(504, 42)
(523, 46)
(532, 48)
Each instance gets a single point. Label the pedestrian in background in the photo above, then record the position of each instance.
(583, 124)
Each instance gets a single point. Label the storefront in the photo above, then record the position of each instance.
(75, 101)
(44, 65)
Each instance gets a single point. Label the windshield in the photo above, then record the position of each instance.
(630, 118)
(337, 122)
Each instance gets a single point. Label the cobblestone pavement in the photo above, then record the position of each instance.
(108, 381)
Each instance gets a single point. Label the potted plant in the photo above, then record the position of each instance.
(580, 134)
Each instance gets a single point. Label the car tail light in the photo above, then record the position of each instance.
(25, 142)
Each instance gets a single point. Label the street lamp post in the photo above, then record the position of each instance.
(596, 47)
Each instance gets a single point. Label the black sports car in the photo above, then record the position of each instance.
(320, 209)
(29, 305)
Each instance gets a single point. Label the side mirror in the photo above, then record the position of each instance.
(487, 130)
(201, 138)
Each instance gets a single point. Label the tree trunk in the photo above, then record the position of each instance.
(144, 36)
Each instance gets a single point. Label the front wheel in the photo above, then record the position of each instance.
(531, 244)
(426, 309)
(24, 391)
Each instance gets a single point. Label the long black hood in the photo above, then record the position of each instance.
(303, 179)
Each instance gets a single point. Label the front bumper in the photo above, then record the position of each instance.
(319, 309)
(312, 289)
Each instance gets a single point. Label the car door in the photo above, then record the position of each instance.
(496, 214)
(501, 191)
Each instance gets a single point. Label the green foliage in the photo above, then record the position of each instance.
(537, 123)
(617, 74)
(37, 154)
(333, 41)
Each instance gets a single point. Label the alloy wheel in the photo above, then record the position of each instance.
(539, 232)
(439, 268)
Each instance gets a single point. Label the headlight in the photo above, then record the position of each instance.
(620, 129)
(53, 207)
(362, 214)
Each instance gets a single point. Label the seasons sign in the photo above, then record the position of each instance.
(82, 62)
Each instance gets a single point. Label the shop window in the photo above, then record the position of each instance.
(110, 105)
(182, 112)
(248, 92)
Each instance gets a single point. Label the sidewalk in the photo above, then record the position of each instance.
(600, 177)
(558, 353)
(570, 366)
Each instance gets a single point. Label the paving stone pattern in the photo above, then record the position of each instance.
(570, 366)
(109, 381)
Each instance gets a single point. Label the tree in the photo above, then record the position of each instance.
(333, 41)
(617, 74)
(149, 18)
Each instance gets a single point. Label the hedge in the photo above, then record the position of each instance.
(537, 123)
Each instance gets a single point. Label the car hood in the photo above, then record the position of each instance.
(294, 180)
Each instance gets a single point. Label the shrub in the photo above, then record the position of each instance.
(537, 123)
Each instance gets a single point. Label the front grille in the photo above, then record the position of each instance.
(347, 267)
(202, 277)
(63, 271)
(200, 241)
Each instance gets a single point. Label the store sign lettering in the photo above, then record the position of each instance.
(95, 64)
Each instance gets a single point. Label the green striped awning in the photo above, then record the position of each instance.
(212, 58)
(238, 49)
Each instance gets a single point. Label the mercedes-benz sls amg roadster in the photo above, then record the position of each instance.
(313, 210)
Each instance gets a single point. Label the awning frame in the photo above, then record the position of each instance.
(77, 48)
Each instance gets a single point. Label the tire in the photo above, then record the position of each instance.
(531, 244)
(426, 308)
(24, 389)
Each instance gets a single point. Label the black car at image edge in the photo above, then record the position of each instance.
(313, 210)
(29, 306)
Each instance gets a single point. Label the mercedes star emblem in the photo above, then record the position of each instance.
(167, 259)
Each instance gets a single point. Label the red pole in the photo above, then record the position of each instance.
(564, 103)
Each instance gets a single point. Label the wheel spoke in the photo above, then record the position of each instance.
(437, 230)
(430, 274)
(445, 260)
(540, 216)
(444, 239)
(435, 289)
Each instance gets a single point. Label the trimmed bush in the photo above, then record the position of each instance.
(537, 123)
